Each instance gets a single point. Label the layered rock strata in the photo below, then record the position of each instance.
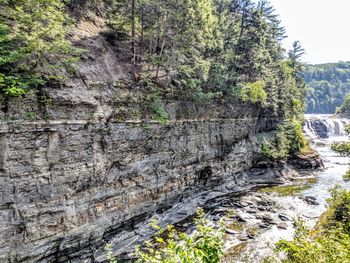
(69, 186)
(84, 163)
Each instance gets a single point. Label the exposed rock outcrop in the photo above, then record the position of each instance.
(84, 164)
(304, 161)
(320, 128)
(89, 165)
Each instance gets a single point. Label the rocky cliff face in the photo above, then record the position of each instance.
(68, 186)
(84, 164)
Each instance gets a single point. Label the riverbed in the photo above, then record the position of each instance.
(267, 215)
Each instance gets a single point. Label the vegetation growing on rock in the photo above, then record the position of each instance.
(289, 140)
(343, 148)
(227, 50)
(329, 242)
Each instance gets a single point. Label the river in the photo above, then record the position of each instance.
(253, 240)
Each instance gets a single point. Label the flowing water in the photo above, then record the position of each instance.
(293, 206)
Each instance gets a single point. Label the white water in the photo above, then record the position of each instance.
(295, 206)
(335, 126)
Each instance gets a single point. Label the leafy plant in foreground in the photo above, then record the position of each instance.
(328, 243)
(205, 245)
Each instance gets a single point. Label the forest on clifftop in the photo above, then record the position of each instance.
(205, 49)
(328, 84)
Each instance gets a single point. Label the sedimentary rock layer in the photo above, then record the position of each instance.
(67, 187)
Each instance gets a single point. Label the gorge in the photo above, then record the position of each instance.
(69, 186)
(114, 113)
(291, 201)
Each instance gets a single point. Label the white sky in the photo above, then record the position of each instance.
(322, 27)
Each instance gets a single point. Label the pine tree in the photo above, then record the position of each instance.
(33, 44)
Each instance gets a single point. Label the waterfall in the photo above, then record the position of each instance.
(309, 130)
(324, 126)
(336, 127)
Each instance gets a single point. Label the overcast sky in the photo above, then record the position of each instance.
(322, 27)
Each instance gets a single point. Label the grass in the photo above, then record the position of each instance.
(292, 189)
(310, 180)
(321, 222)
(306, 150)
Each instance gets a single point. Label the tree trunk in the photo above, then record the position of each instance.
(133, 36)
(162, 47)
(142, 29)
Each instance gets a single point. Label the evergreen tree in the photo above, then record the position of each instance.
(33, 44)
(328, 86)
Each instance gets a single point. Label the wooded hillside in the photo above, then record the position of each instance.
(328, 85)
(206, 49)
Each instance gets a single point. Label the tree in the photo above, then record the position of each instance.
(328, 86)
(33, 44)
(296, 53)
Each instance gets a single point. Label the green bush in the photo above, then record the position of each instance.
(205, 245)
(206, 97)
(295, 135)
(339, 211)
(254, 92)
(346, 176)
(15, 86)
(289, 139)
(329, 243)
(343, 148)
(156, 106)
(278, 148)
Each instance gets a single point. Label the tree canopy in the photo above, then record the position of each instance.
(33, 43)
(203, 50)
(328, 86)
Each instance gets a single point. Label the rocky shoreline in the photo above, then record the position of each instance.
(251, 215)
(239, 201)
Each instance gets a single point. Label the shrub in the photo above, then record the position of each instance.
(346, 176)
(294, 132)
(206, 97)
(254, 92)
(289, 139)
(205, 245)
(329, 243)
(156, 106)
(343, 148)
(278, 148)
(339, 210)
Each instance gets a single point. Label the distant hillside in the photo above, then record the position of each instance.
(328, 86)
